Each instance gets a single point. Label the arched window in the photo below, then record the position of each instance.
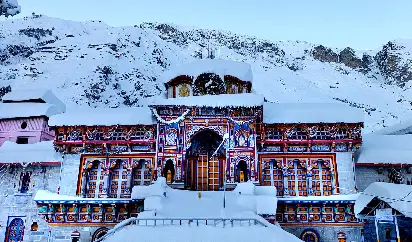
(94, 179)
(208, 84)
(297, 183)
(169, 171)
(272, 176)
(322, 178)
(309, 235)
(142, 173)
(118, 178)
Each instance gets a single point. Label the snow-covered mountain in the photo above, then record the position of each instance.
(93, 64)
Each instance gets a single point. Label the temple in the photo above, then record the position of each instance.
(209, 131)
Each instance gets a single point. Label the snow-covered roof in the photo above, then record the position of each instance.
(43, 196)
(396, 195)
(221, 67)
(385, 149)
(25, 110)
(29, 95)
(311, 113)
(103, 117)
(222, 100)
(43, 152)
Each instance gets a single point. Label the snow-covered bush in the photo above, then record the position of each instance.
(9, 8)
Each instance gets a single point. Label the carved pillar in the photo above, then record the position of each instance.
(285, 180)
(129, 180)
(106, 180)
(84, 183)
(309, 180)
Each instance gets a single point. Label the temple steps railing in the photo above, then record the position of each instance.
(214, 222)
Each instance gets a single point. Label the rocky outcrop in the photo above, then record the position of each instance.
(394, 68)
(348, 58)
(324, 54)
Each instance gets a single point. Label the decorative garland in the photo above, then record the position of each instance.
(173, 121)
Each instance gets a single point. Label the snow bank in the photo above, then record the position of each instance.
(44, 152)
(398, 196)
(153, 203)
(202, 234)
(266, 204)
(265, 190)
(158, 188)
(245, 188)
(311, 113)
(25, 110)
(241, 70)
(385, 149)
(222, 100)
(103, 117)
(30, 95)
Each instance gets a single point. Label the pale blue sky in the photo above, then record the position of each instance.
(362, 24)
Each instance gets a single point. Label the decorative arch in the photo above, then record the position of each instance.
(235, 85)
(242, 167)
(93, 170)
(310, 235)
(189, 134)
(99, 233)
(208, 84)
(142, 172)
(118, 177)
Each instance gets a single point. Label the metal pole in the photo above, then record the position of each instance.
(398, 238)
(377, 231)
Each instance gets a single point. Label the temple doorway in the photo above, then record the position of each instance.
(242, 172)
(169, 171)
(204, 168)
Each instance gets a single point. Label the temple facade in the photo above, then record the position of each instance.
(209, 132)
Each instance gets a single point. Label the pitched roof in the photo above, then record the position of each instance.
(30, 95)
(43, 152)
(26, 110)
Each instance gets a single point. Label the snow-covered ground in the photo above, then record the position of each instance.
(162, 202)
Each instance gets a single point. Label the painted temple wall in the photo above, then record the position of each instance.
(36, 130)
(366, 175)
(328, 233)
(346, 176)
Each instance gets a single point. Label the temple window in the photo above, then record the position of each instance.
(141, 134)
(25, 182)
(208, 84)
(60, 136)
(118, 134)
(297, 134)
(272, 176)
(297, 184)
(273, 134)
(322, 134)
(142, 173)
(75, 135)
(118, 178)
(321, 179)
(341, 133)
(94, 135)
(94, 180)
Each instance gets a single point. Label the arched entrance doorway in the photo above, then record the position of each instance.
(242, 171)
(99, 233)
(169, 171)
(309, 236)
(204, 171)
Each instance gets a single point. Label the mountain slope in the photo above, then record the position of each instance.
(94, 64)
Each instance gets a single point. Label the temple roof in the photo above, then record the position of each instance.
(26, 110)
(311, 113)
(40, 152)
(385, 149)
(104, 117)
(221, 67)
(32, 95)
(222, 100)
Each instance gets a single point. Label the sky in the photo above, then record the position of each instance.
(360, 24)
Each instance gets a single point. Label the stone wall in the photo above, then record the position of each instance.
(365, 175)
(14, 203)
(328, 233)
(346, 176)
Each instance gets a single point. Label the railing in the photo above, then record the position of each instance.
(215, 222)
